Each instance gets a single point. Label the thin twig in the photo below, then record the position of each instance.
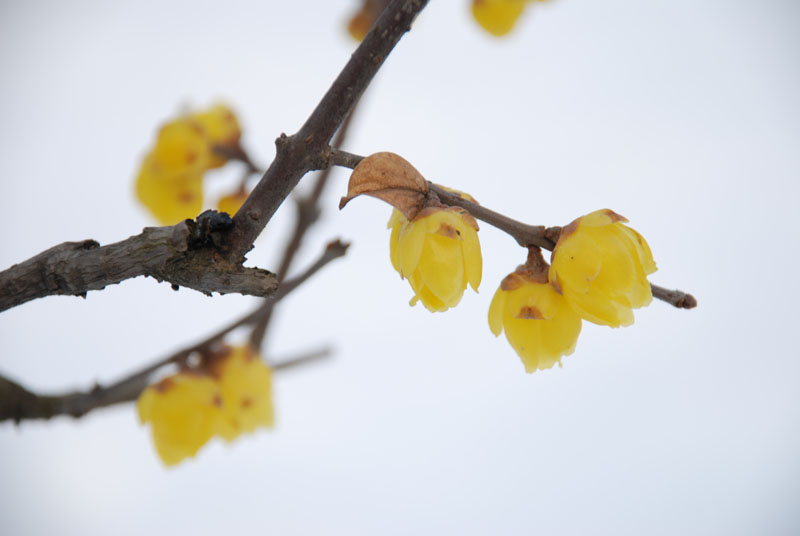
(302, 359)
(678, 298)
(307, 214)
(525, 235)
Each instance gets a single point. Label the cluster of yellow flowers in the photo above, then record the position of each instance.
(498, 17)
(170, 181)
(228, 397)
(598, 273)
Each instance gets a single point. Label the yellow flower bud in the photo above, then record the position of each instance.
(438, 252)
(171, 199)
(601, 268)
(184, 411)
(539, 323)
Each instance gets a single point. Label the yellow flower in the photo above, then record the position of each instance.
(498, 17)
(221, 128)
(184, 411)
(229, 396)
(601, 267)
(170, 181)
(169, 200)
(539, 323)
(246, 384)
(181, 147)
(438, 252)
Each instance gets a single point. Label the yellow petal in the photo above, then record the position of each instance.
(181, 146)
(245, 383)
(576, 262)
(430, 301)
(473, 261)
(441, 268)
(410, 241)
(496, 310)
(642, 248)
(394, 253)
(525, 337)
(172, 199)
(183, 411)
(220, 127)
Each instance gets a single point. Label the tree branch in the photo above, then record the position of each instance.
(307, 214)
(525, 235)
(184, 255)
(17, 403)
(308, 149)
(172, 253)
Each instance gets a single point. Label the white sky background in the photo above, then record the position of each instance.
(681, 115)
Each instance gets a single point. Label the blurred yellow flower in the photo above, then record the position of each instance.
(230, 396)
(221, 129)
(181, 147)
(246, 384)
(601, 268)
(184, 411)
(498, 17)
(170, 180)
(361, 22)
(438, 252)
(169, 200)
(539, 323)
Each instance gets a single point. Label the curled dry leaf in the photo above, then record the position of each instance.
(391, 178)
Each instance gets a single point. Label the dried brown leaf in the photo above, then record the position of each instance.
(391, 178)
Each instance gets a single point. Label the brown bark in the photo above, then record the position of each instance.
(173, 254)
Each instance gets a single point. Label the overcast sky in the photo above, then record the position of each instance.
(681, 115)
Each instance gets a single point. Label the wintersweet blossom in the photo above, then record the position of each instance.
(538, 322)
(227, 397)
(184, 411)
(221, 129)
(438, 252)
(601, 267)
(170, 198)
(246, 385)
(170, 180)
